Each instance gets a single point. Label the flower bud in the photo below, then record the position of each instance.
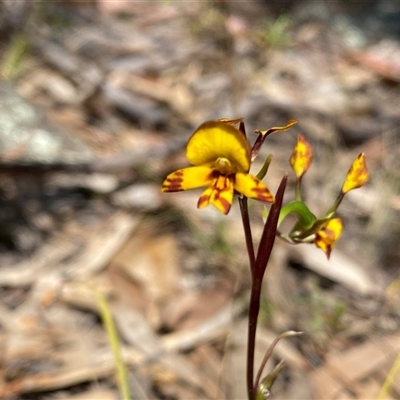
(301, 157)
(357, 176)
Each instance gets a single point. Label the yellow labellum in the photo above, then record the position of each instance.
(219, 194)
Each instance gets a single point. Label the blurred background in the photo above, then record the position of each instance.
(98, 99)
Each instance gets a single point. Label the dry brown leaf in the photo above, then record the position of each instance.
(49, 255)
(211, 329)
(101, 246)
(192, 308)
(348, 370)
(151, 261)
(338, 268)
(94, 394)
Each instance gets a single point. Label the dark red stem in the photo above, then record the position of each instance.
(264, 252)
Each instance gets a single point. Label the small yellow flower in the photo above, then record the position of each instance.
(301, 157)
(220, 155)
(357, 175)
(328, 235)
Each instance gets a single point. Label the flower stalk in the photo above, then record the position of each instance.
(244, 211)
(263, 254)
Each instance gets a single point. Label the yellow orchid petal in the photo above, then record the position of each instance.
(328, 235)
(357, 175)
(231, 121)
(274, 129)
(263, 134)
(216, 139)
(188, 178)
(252, 187)
(301, 157)
(219, 194)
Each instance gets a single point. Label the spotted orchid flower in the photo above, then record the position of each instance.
(221, 159)
(327, 236)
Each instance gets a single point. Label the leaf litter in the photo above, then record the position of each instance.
(97, 111)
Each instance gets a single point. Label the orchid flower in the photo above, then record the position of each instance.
(221, 159)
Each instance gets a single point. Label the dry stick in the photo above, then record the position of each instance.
(264, 251)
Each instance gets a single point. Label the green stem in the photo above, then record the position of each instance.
(298, 189)
(107, 318)
(335, 205)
